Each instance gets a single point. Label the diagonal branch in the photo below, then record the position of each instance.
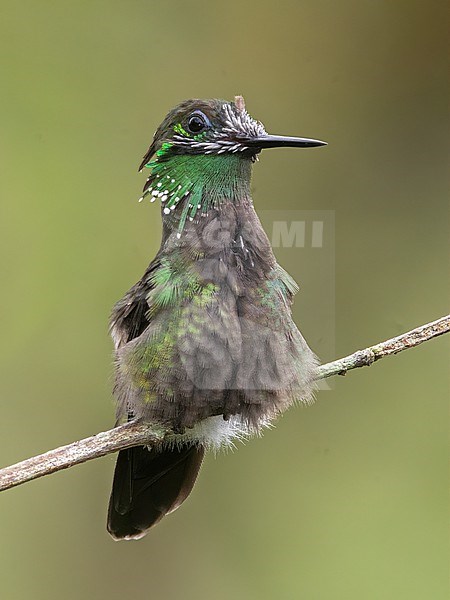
(366, 357)
(136, 434)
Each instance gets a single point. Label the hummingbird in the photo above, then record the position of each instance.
(205, 343)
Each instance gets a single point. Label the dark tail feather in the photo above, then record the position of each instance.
(148, 485)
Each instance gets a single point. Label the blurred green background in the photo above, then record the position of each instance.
(343, 500)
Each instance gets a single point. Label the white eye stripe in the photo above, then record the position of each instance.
(219, 142)
(242, 122)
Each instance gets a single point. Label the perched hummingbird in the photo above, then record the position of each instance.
(204, 343)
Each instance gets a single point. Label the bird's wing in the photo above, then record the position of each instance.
(131, 315)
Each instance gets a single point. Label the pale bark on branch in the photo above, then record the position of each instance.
(136, 434)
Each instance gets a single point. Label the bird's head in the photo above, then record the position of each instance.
(214, 127)
(201, 156)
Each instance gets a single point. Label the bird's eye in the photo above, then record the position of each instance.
(198, 122)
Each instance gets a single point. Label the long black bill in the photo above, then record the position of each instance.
(279, 141)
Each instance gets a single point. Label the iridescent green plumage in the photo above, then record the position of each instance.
(195, 183)
(205, 341)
